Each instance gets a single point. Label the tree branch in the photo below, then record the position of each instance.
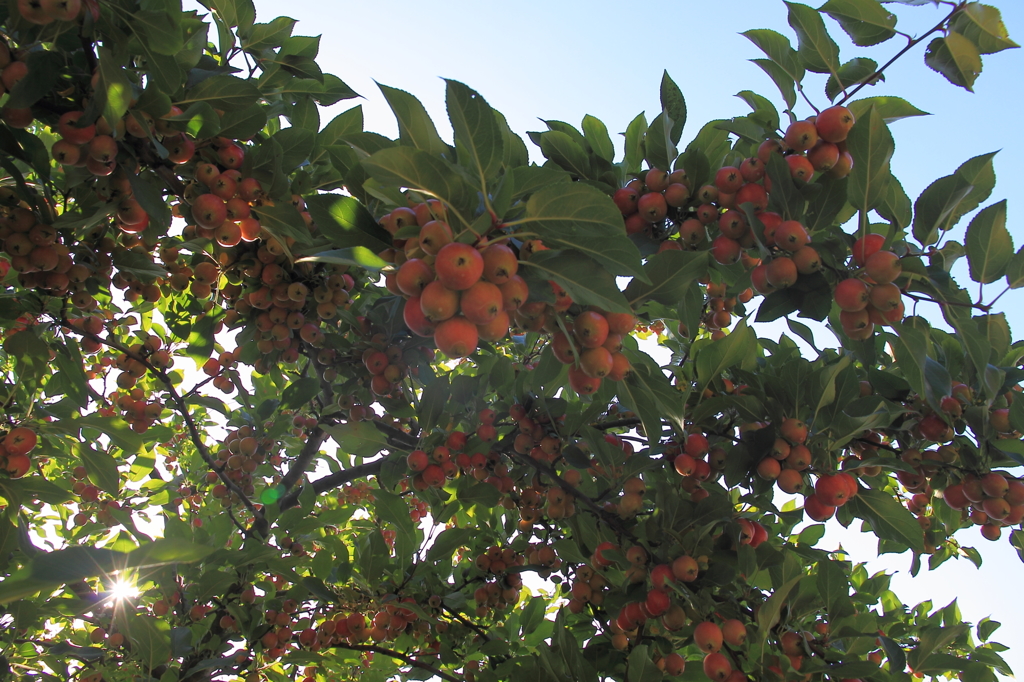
(402, 657)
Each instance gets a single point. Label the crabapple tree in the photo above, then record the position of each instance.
(286, 399)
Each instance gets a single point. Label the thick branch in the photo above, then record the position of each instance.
(334, 480)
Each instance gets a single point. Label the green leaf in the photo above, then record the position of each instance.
(296, 146)
(346, 123)
(415, 169)
(44, 69)
(890, 108)
(433, 401)
(764, 112)
(936, 205)
(768, 614)
(988, 244)
(911, 348)
(634, 154)
(596, 134)
(300, 392)
(649, 380)
(243, 123)
(783, 81)
(580, 217)
(223, 92)
(358, 438)
(871, 145)
(865, 21)
(670, 274)
(956, 58)
(889, 519)
(983, 26)
(355, 255)
(201, 340)
(719, 355)
(1015, 270)
(896, 207)
(673, 106)
(233, 12)
(148, 191)
(833, 585)
(561, 148)
(282, 220)
(115, 428)
(850, 74)
(816, 49)
(161, 31)
(581, 277)
(101, 468)
(640, 667)
(658, 145)
(138, 264)
(394, 510)
(200, 118)
(304, 68)
(415, 129)
(478, 139)
(31, 354)
(779, 51)
(346, 222)
(113, 88)
(262, 36)
(447, 542)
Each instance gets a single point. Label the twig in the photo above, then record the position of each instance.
(402, 657)
(959, 6)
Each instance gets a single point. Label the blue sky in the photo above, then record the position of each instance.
(562, 60)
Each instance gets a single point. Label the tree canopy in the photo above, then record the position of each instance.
(289, 399)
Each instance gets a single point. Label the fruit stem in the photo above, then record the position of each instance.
(910, 45)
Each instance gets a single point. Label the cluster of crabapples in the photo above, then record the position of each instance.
(870, 297)
(457, 293)
(501, 581)
(240, 454)
(13, 65)
(593, 348)
(15, 447)
(992, 501)
(90, 501)
(696, 461)
(386, 364)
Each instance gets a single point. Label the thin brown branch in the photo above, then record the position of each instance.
(873, 77)
(402, 657)
(334, 480)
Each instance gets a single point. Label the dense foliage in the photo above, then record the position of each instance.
(284, 400)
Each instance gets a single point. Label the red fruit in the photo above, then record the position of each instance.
(800, 168)
(438, 302)
(596, 362)
(481, 302)
(496, 329)
(807, 260)
(769, 468)
(780, 273)
(851, 295)
(708, 637)
(674, 664)
(417, 460)
(500, 263)
(591, 328)
(883, 266)
(843, 166)
(71, 132)
(824, 156)
(818, 510)
(734, 633)
(725, 250)
(717, 667)
(514, 292)
(685, 568)
(456, 337)
(832, 490)
(20, 441)
(753, 194)
(209, 211)
(626, 200)
(865, 247)
(934, 428)
(620, 323)
(791, 236)
(458, 266)
(677, 194)
(413, 276)
(415, 320)
(658, 602)
(661, 575)
(653, 207)
(434, 235)
(834, 124)
(801, 136)
(995, 485)
(583, 384)
(728, 180)
(656, 180)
